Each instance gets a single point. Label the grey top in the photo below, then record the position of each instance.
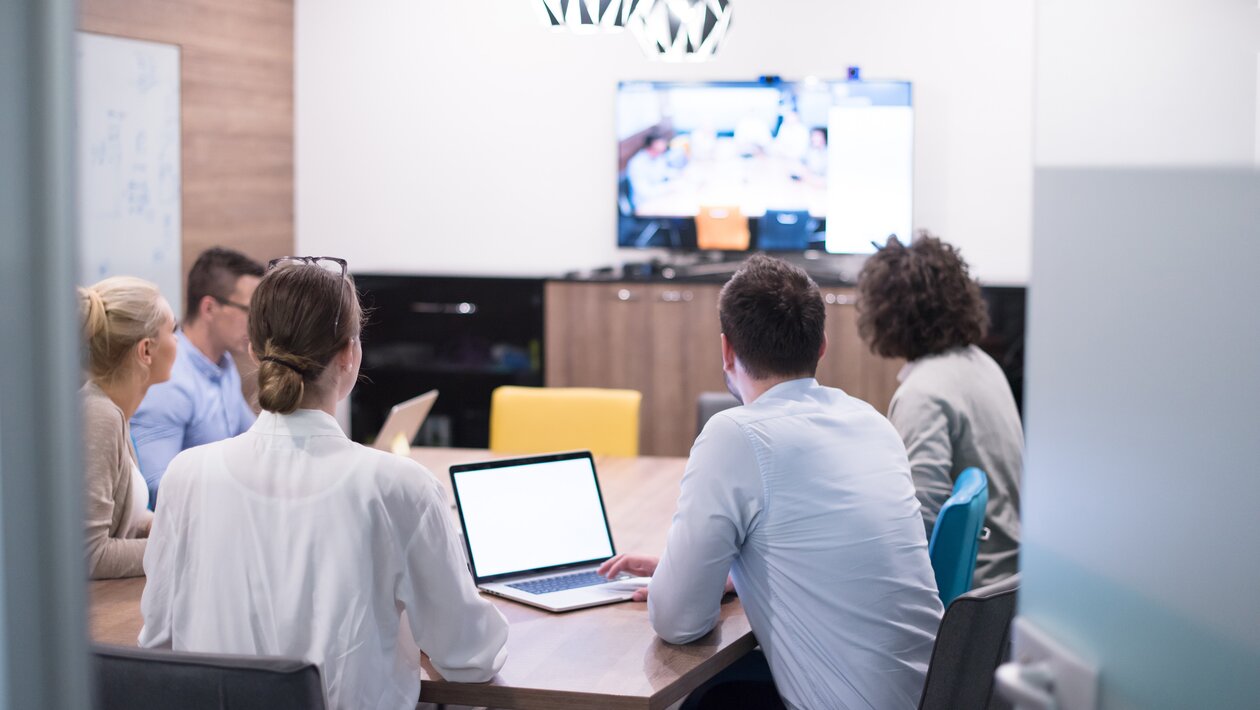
(953, 411)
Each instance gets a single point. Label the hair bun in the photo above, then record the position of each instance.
(282, 379)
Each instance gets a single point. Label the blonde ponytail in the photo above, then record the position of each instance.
(92, 308)
(118, 313)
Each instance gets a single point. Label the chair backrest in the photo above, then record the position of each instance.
(710, 403)
(956, 536)
(167, 680)
(783, 230)
(722, 228)
(535, 420)
(971, 643)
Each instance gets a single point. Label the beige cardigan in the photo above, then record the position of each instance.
(108, 456)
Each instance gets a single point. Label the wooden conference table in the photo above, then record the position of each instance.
(606, 657)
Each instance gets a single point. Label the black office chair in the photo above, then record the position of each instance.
(972, 642)
(129, 678)
(710, 403)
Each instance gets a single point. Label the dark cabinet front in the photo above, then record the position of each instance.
(461, 336)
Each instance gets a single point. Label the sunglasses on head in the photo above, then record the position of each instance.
(331, 264)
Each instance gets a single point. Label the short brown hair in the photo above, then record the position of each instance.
(919, 300)
(214, 274)
(291, 317)
(773, 317)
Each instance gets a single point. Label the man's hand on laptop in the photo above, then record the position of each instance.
(641, 566)
(635, 565)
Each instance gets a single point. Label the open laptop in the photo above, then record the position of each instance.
(535, 530)
(403, 423)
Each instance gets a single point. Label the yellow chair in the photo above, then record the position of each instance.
(533, 420)
(722, 228)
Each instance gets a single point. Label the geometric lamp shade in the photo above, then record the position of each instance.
(587, 15)
(679, 30)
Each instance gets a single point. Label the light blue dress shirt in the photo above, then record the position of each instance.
(200, 404)
(805, 497)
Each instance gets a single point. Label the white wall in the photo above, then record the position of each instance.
(1142, 83)
(1140, 487)
(463, 137)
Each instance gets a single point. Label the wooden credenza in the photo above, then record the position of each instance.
(662, 339)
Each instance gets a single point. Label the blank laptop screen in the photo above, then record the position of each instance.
(530, 516)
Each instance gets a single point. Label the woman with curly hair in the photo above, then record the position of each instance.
(954, 408)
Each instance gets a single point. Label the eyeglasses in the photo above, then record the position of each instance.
(331, 264)
(243, 308)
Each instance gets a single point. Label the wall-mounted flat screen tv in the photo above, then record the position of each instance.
(764, 165)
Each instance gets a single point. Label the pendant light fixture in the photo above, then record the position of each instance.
(681, 30)
(671, 30)
(587, 15)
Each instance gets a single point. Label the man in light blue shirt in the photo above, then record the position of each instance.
(203, 401)
(804, 496)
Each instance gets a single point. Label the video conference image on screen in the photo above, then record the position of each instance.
(768, 166)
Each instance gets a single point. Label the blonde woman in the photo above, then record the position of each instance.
(130, 334)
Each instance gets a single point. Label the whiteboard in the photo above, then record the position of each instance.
(129, 161)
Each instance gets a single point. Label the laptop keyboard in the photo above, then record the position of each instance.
(560, 583)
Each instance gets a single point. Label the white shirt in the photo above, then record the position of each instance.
(805, 496)
(292, 540)
(139, 504)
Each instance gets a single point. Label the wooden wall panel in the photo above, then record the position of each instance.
(236, 96)
(849, 363)
(663, 339)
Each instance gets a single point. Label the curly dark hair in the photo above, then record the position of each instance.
(773, 316)
(919, 300)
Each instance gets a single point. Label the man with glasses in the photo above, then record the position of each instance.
(203, 401)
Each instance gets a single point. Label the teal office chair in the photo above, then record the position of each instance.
(956, 536)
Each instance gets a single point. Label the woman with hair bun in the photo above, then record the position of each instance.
(129, 330)
(954, 408)
(292, 540)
